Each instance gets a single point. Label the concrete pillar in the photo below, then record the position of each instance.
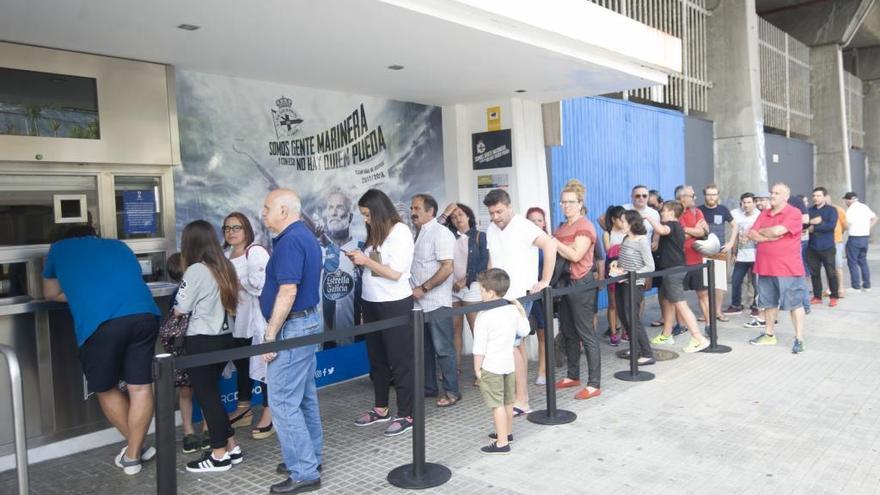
(735, 99)
(872, 147)
(829, 128)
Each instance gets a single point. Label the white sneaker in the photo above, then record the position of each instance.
(129, 467)
(541, 380)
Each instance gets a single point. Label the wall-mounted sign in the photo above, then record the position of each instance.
(139, 212)
(492, 149)
(493, 119)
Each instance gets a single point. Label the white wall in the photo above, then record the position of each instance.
(528, 176)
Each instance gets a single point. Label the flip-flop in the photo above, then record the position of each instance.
(723, 318)
(448, 401)
(517, 412)
(657, 323)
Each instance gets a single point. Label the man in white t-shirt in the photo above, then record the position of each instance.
(859, 220)
(744, 248)
(513, 243)
(432, 290)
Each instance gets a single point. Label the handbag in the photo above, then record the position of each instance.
(172, 334)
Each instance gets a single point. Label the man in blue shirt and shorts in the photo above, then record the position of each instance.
(116, 323)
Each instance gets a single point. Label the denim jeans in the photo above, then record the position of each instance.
(857, 261)
(740, 270)
(439, 348)
(294, 400)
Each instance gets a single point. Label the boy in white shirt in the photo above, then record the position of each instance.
(495, 333)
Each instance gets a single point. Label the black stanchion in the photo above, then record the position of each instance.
(419, 474)
(166, 451)
(633, 374)
(714, 347)
(551, 415)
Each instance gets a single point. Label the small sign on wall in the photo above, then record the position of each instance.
(493, 119)
(492, 149)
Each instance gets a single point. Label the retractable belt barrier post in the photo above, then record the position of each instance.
(714, 347)
(166, 450)
(551, 415)
(419, 474)
(633, 374)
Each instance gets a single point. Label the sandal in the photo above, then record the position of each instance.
(722, 318)
(448, 401)
(657, 323)
(259, 433)
(243, 419)
(517, 412)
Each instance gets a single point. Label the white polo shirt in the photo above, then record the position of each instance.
(858, 219)
(647, 211)
(513, 251)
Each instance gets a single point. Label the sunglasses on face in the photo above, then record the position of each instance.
(640, 195)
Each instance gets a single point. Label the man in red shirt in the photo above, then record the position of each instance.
(695, 227)
(779, 267)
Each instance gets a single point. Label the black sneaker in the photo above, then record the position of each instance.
(678, 330)
(207, 464)
(494, 436)
(494, 449)
(206, 441)
(236, 455)
(732, 310)
(191, 443)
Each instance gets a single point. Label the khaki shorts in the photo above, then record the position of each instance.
(497, 390)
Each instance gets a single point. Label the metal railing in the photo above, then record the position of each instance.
(854, 100)
(785, 81)
(18, 421)
(686, 20)
(419, 474)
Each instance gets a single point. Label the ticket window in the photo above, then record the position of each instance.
(138, 207)
(36, 209)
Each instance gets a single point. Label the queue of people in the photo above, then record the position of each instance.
(238, 294)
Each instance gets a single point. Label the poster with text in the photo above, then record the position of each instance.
(240, 139)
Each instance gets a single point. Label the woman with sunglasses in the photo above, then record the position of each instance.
(249, 260)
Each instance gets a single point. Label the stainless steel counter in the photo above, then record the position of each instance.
(56, 406)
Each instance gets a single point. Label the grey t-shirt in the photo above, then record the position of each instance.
(199, 295)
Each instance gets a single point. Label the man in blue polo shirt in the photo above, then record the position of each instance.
(289, 303)
(820, 248)
(116, 324)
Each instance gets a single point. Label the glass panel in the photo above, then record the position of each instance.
(152, 266)
(48, 105)
(138, 207)
(27, 207)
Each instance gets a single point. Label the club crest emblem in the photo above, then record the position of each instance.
(287, 121)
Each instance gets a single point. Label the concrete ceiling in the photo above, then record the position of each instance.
(344, 45)
(855, 23)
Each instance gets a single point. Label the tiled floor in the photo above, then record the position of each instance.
(756, 420)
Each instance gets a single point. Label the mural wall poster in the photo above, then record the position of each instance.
(240, 139)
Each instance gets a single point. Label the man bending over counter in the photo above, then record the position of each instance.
(116, 323)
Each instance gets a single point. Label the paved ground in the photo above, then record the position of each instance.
(756, 420)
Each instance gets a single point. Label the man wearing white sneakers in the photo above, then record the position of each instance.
(859, 219)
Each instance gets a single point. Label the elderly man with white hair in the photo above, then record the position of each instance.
(289, 302)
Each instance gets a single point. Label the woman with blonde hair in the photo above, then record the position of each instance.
(575, 242)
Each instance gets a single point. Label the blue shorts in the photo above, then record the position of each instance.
(785, 293)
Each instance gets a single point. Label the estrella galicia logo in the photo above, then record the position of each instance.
(287, 121)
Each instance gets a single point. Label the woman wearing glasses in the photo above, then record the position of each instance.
(575, 242)
(249, 260)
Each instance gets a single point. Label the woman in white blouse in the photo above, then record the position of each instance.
(386, 293)
(249, 260)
